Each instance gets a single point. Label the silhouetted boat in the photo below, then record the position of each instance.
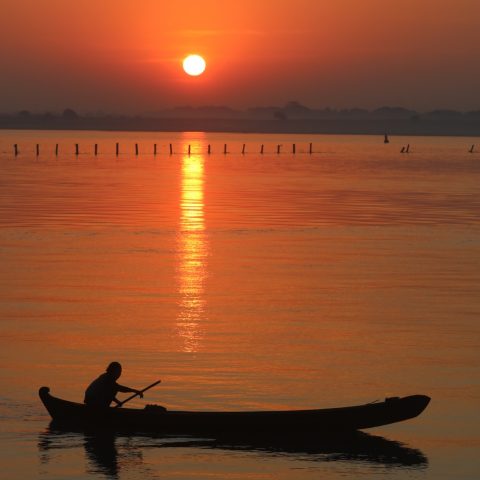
(157, 419)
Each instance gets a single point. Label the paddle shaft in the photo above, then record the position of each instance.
(136, 394)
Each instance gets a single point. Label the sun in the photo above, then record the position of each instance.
(194, 65)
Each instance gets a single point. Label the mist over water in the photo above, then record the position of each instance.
(243, 282)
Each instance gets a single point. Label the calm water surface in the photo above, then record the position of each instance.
(243, 282)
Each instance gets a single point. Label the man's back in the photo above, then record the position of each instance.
(102, 391)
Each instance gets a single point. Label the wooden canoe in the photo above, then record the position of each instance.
(323, 421)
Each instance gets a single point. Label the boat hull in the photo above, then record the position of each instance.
(322, 421)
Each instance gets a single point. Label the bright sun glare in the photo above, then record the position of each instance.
(194, 65)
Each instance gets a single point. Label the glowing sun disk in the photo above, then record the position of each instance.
(194, 65)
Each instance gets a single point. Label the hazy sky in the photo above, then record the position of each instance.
(125, 55)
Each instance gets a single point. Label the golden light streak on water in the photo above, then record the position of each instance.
(192, 249)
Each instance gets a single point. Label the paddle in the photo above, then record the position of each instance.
(135, 394)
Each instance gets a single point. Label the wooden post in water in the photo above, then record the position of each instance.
(38, 149)
(189, 150)
(293, 149)
(76, 149)
(171, 149)
(15, 148)
(56, 149)
(96, 149)
(117, 149)
(225, 149)
(278, 149)
(209, 149)
(136, 149)
(154, 148)
(243, 149)
(261, 149)
(311, 148)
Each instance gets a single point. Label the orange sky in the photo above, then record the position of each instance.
(125, 55)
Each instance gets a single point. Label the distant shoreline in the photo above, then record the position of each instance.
(467, 127)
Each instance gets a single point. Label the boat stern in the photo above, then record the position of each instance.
(419, 403)
(46, 398)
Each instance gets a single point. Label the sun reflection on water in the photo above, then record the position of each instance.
(192, 247)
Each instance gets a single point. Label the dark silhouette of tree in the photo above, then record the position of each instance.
(69, 114)
(296, 108)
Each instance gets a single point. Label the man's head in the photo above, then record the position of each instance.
(114, 369)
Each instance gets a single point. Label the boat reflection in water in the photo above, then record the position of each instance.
(192, 248)
(108, 453)
(355, 447)
(102, 454)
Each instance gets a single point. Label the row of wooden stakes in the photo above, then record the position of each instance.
(406, 149)
(16, 150)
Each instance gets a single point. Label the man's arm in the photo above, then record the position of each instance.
(123, 389)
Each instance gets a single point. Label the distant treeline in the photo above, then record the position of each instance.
(291, 118)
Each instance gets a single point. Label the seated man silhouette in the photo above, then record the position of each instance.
(102, 391)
